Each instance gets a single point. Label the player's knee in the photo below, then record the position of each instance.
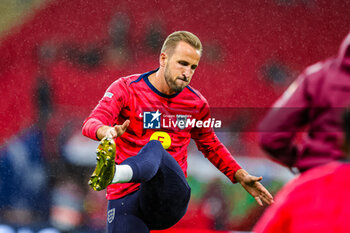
(154, 143)
(155, 146)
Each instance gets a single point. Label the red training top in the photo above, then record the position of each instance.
(171, 119)
(317, 201)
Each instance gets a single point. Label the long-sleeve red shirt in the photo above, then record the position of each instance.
(316, 201)
(316, 100)
(171, 119)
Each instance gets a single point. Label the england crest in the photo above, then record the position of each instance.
(110, 215)
(181, 121)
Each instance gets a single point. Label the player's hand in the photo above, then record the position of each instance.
(252, 185)
(112, 132)
(117, 130)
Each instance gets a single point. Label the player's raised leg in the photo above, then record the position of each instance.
(164, 192)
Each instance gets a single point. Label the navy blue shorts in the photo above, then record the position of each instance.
(160, 202)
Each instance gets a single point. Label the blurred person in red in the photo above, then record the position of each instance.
(313, 104)
(316, 201)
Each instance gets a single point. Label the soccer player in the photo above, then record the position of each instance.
(316, 201)
(315, 101)
(152, 118)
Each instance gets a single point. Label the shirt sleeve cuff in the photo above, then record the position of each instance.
(90, 128)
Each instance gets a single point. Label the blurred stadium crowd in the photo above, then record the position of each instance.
(57, 61)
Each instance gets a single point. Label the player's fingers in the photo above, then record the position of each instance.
(258, 178)
(264, 195)
(119, 130)
(266, 199)
(258, 200)
(264, 192)
(268, 195)
(255, 179)
(125, 125)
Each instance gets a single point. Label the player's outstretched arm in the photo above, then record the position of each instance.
(112, 132)
(252, 185)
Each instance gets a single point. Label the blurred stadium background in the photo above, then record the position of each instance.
(57, 57)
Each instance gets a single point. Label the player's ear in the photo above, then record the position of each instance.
(163, 59)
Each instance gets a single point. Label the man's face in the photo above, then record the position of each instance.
(180, 66)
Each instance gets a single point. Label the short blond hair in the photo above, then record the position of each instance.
(174, 38)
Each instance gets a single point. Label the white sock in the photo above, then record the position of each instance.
(123, 174)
